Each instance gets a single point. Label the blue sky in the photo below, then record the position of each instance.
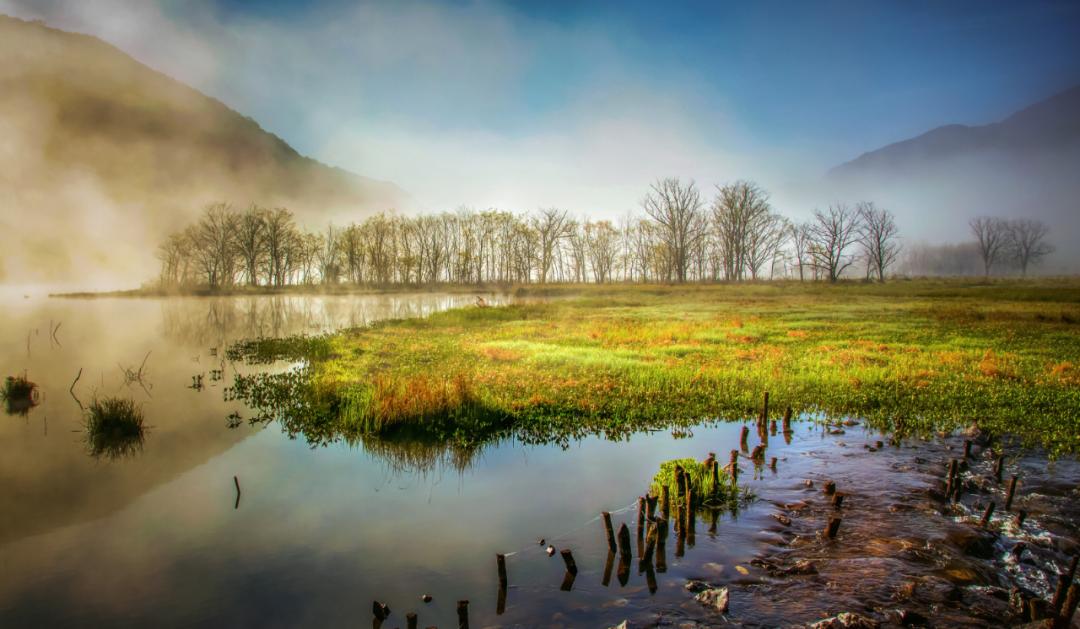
(580, 104)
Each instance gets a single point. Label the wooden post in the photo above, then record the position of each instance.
(953, 467)
(765, 407)
(987, 515)
(967, 448)
(830, 488)
(679, 486)
(665, 502)
(624, 540)
(568, 559)
(463, 614)
(608, 565)
(380, 610)
(650, 545)
(715, 477)
(772, 464)
(1021, 515)
(1069, 608)
(998, 465)
(832, 528)
(650, 507)
(410, 620)
(837, 500)
(758, 455)
(743, 437)
(734, 466)
(1009, 495)
(787, 420)
(609, 530)
(1064, 581)
(500, 560)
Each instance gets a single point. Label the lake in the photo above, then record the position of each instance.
(159, 538)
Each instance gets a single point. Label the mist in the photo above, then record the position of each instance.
(440, 106)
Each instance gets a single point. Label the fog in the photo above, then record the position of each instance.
(439, 100)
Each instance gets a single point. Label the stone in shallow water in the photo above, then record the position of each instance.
(846, 620)
(717, 598)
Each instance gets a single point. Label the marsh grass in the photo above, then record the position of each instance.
(706, 492)
(115, 427)
(19, 394)
(921, 356)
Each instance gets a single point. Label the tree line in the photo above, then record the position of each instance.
(677, 237)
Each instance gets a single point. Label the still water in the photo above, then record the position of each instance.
(158, 538)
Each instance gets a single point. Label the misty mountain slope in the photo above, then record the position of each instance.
(1026, 165)
(105, 155)
(1050, 126)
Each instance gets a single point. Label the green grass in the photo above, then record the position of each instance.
(919, 355)
(114, 427)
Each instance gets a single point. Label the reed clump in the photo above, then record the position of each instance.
(19, 394)
(115, 427)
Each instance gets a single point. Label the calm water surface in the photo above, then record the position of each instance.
(158, 539)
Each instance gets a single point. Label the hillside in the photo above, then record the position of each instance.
(96, 148)
(1023, 166)
(1046, 127)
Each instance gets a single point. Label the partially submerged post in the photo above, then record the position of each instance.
(830, 488)
(665, 502)
(734, 466)
(953, 468)
(1069, 608)
(568, 559)
(410, 620)
(609, 530)
(463, 614)
(1009, 495)
(743, 437)
(832, 527)
(987, 515)
(624, 541)
(967, 448)
(837, 500)
(765, 407)
(500, 560)
(998, 465)
(787, 420)
(772, 464)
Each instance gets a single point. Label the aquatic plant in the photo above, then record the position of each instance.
(115, 427)
(19, 394)
(707, 492)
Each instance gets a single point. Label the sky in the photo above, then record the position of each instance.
(524, 104)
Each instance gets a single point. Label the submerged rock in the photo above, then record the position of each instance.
(846, 620)
(716, 598)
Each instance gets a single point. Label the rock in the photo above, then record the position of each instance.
(846, 620)
(782, 519)
(909, 618)
(803, 566)
(971, 541)
(716, 598)
(936, 590)
(426, 598)
(621, 625)
(550, 551)
(694, 585)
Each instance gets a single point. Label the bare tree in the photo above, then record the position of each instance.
(251, 241)
(878, 235)
(992, 235)
(742, 219)
(281, 238)
(676, 208)
(551, 226)
(1027, 242)
(831, 234)
(799, 235)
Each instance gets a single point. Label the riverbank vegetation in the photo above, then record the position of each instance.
(915, 356)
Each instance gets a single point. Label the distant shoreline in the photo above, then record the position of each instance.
(255, 291)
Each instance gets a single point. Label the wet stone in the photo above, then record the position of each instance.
(716, 598)
(971, 541)
(846, 620)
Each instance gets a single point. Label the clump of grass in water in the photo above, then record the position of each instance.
(706, 492)
(20, 395)
(115, 427)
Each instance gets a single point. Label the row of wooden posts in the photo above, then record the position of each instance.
(652, 528)
(1063, 604)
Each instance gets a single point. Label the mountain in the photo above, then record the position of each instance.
(1024, 166)
(100, 156)
(1049, 126)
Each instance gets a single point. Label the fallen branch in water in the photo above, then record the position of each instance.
(71, 389)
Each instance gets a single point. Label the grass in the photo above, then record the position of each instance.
(19, 394)
(914, 355)
(114, 427)
(706, 493)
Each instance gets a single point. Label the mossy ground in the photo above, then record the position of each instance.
(916, 354)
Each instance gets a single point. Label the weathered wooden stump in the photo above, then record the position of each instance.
(609, 530)
(1010, 493)
(832, 527)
